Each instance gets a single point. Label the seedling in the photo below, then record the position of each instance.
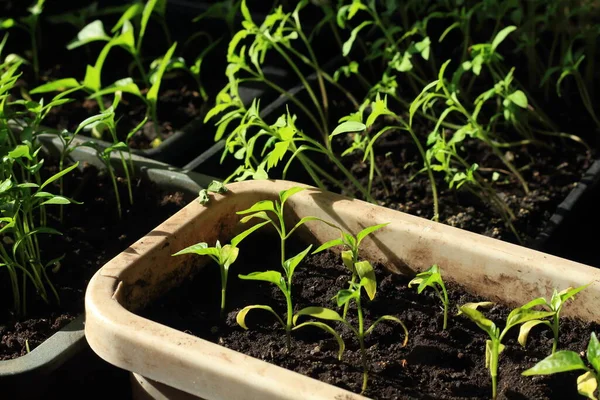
(213, 187)
(433, 278)
(556, 303)
(30, 25)
(494, 346)
(566, 360)
(224, 256)
(367, 282)
(276, 219)
(350, 255)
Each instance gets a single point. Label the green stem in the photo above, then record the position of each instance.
(115, 186)
(361, 340)
(494, 366)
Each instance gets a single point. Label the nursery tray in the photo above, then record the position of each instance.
(29, 374)
(170, 363)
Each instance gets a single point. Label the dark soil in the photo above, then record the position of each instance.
(550, 175)
(92, 235)
(435, 364)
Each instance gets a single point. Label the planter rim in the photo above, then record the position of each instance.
(70, 340)
(484, 266)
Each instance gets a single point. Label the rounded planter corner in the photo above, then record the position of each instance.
(165, 358)
(30, 374)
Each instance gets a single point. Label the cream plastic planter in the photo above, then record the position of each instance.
(171, 364)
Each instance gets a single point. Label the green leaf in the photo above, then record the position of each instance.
(56, 200)
(245, 12)
(290, 264)
(526, 328)
(348, 259)
(240, 318)
(92, 78)
(347, 46)
(561, 361)
(20, 151)
(152, 94)
(482, 322)
(329, 244)
(203, 197)
(266, 276)
(593, 352)
(59, 175)
(570, 292)
(501, 36)
(56, 86)
(368, 230)
(217, 187)
(587, 385)
(228, 256)
(535, 302)
(519, 98)
(285, 194)
(345, 295)
(133, 11)
(148, 8)
(260, 214)
(238, 238)
(201, 249)
(326, 328)
(319, 312)
(521, 315)
(366, 273)
(393, 319)
(348, 126)
(263, 205)
(94, 31)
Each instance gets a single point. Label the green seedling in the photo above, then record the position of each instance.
(494, 346)
(351, 245)
(367, 282)
(213, 187)
(566, 360)
(224, 256)
(106, 121)
(272, 212)
(433, 278)
(555, 305)
(30, 25)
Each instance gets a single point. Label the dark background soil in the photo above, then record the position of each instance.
(435, 364)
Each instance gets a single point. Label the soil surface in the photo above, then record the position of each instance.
(92, 235)
(550, 176)
(435, 364)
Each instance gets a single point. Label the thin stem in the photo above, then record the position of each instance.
(361, 340)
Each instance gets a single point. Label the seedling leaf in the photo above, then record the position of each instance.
(366, 273)
(236, 240)
(290, 264)
(526, 328)
(561, 361)
(587, 385)
(348, 126)
(240, 318)
(319, 312)
(389, 318)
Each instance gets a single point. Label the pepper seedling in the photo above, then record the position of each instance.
(433, 278)
(367, 282)
(276, 219)
(224, 256)
(494, 346)
(350, 255)
(566, 360)
(555, 305)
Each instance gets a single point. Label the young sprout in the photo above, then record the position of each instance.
(555, 305)
(350, 255)
(224, 256)
(367, 282)
(494, 346)
(566, 360)
(213, 187)
(433, 278)
(276, 219)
